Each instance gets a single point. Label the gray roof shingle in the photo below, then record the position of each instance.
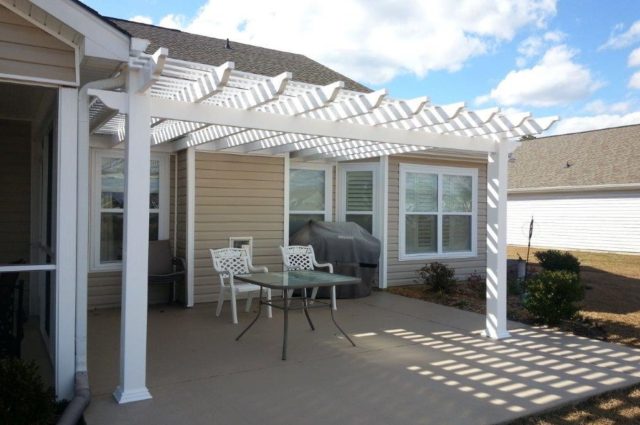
(600, 157)
(248, 58)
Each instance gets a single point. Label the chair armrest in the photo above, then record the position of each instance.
(260, 269)
(324, 265)
(180, 263)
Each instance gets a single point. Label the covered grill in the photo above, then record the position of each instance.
(351, 249)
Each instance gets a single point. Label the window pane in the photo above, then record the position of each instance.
(154, 226)
(456, 233)
(154, 185)
(306, 190)
(359, 190)
(112, 182)
(457, 193)
(364, 220)
(296, 221)
(421, 234)
(111, 226)
(421, 192)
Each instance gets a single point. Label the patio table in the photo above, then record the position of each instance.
(296, 280)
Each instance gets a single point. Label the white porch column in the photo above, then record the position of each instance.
(133, 323)
(497, 183)
(191, 224)
(65, 276)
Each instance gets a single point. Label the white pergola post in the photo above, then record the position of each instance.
(191, 225)
(133, 323)
(497, 182)
(65, 276)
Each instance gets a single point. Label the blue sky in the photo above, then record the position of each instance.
(579, 59)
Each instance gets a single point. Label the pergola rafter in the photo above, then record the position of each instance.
(248, 113)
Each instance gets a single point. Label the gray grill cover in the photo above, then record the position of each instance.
(351, 249)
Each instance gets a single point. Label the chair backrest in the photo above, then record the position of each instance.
(298, 257)
(160, 258)
(230, 261)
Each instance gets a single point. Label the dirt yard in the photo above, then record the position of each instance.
(612, 302)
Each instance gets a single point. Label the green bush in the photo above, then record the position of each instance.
(477, 283)
(437, 276)
(554, 260)
(552, 296)
(23, 398)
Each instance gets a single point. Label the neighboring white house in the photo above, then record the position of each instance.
(115, 133)
(582, 190)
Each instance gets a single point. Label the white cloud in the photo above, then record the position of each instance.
(172, 21)
(634, 81)
(555, 80)
(634, 58)
(599, 107)
(142, 19)
(374, 41)
(534, 45)
(620, 39)
(584, 123)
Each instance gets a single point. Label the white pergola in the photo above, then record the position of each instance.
(185, 104)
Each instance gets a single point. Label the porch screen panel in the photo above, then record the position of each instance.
(359, 198)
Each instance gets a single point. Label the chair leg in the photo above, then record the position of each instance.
(334, 305)
(247, 308)
(289, 295)
(269, 312)
(234, 308)
(314, 293)
(220, 302)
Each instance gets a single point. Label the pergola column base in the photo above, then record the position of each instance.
(496, 335)
(129, 396)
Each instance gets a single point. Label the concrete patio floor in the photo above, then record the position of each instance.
(415, 363)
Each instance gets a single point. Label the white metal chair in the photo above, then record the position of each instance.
(299, 257)
(228, 262)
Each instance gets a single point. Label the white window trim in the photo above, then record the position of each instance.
(328, 187)
(439, 170)
(342, 193)
(94, 234)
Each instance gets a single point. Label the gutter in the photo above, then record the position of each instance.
(589, 188)
(74, 411)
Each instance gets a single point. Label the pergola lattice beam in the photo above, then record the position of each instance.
(212, 114)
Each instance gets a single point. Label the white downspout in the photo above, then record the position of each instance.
(82, 253)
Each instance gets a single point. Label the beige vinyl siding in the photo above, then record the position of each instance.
(27, 51)
(404, 272)
(15, 189)
(236, 195)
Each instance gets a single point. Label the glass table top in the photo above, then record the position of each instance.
(297, 279)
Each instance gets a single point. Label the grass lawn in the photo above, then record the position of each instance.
(612, 301)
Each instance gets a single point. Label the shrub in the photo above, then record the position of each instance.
(552, 296)
(478, 284)
(23, 398)
(437, 276)
(554, 260)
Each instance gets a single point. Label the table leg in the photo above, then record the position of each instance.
(256, 318)
(339, 328)
(286, 325)
(306, 310)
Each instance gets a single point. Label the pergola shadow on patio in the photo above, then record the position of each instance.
(415, 363)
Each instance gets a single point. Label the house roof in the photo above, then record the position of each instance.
(592, 158)
(248, 58)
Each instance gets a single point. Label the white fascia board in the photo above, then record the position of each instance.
(212, 114)
(587, 188)
(101, 40)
